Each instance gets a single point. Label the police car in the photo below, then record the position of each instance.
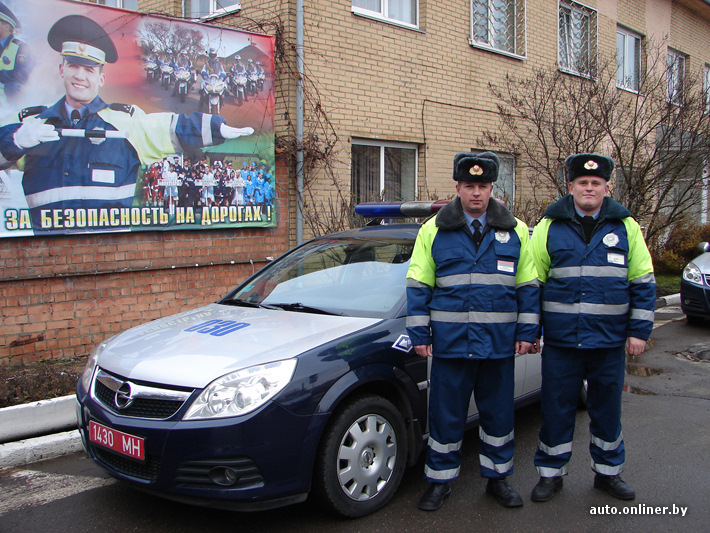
(301, 381)
(695, 286)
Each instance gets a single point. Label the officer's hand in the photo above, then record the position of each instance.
(523, 347)
(635, 346)
(423, 350)
(32, 132)
(229, 132)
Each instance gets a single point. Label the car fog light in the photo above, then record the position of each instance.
(223, 475)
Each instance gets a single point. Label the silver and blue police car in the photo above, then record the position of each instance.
(300, 382)
(695, 286)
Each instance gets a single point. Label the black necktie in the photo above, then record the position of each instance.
(477, 235)
(75, 116)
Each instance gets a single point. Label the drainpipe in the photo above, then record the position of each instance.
(299, 122)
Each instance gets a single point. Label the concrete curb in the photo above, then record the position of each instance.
(50, 419)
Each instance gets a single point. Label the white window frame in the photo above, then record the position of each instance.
(117, 3)
(381, 14)
(622, 59)
(584, 11)
(215, 10)
(389, 144)
(519, 31)
(676, 77)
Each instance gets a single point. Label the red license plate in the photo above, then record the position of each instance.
(119, 442)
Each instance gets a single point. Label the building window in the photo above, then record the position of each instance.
(405, 12)
(628, 60)
(198, 9)
(499, 25)
(577, 39)
(125, 4)
(676, 77)
(383, 171)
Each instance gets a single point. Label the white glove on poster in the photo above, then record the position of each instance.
(229, 132)
(32, 132)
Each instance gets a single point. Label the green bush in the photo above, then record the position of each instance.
(679, 249)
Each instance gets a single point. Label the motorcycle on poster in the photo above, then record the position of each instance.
(114, 121)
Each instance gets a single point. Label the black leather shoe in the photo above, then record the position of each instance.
(615, 486)
(504, 493)
(434, 496)
(546, 489)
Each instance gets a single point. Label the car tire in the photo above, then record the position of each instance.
(694, 320)
(362, 457)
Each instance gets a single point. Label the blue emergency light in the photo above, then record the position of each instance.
(399, 209)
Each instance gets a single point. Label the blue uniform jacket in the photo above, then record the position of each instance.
(594, 295)
(470, 303)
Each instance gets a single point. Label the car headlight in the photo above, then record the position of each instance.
(91, 363)
(692, 274)
(241, 392)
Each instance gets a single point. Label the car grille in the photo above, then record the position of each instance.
(146, 401)
(707, 279)
(147, 471)
(204, 472)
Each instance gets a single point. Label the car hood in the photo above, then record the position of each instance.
(179, 351)
(703, 262)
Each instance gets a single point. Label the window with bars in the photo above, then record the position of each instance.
(676, 77)
(706, 88)
(125, 4)
(499, 25)
(577, 44)
(383, 171)
(404, 12)
(628, 60)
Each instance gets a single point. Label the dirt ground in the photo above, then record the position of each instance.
(39, 381)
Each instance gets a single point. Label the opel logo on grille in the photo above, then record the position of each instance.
(124, 396)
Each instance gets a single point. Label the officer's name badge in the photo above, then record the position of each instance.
(502, 236)
(615, 259)
(611, 239)
(506, 266)
(591, 165)
(475, 170)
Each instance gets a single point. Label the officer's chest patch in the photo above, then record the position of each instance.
(611, 239)
(506, 266)
(101, 175)
(615, 259)
(502, 236)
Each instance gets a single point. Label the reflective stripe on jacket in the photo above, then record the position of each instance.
(594, 295)
(472, 303)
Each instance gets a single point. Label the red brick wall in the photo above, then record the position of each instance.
(60, 296)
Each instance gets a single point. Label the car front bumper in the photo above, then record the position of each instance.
(254, 462)
(694, 299)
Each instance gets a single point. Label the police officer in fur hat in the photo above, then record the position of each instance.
(14, 59)
(96, 167)
(598, 301)
(472, 303)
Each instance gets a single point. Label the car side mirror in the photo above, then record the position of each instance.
(704, 247)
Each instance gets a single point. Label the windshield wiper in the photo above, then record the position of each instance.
(245, 303)
(299, 307)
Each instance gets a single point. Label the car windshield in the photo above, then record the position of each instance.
(348, 277)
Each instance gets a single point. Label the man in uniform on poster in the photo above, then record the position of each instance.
(66, 173)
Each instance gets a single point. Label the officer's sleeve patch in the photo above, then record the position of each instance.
(30, 111)
(124, 108)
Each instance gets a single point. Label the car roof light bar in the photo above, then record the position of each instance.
(399, 209)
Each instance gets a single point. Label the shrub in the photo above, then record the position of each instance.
(680, 248)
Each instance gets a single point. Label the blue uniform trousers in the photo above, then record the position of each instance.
(492, 382)
(563, 370)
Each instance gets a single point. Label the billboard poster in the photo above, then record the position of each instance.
(112, 120)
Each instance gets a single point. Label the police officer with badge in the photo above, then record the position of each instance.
(14, 61)
(598, 302)
(82, 153)
(472, 303)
